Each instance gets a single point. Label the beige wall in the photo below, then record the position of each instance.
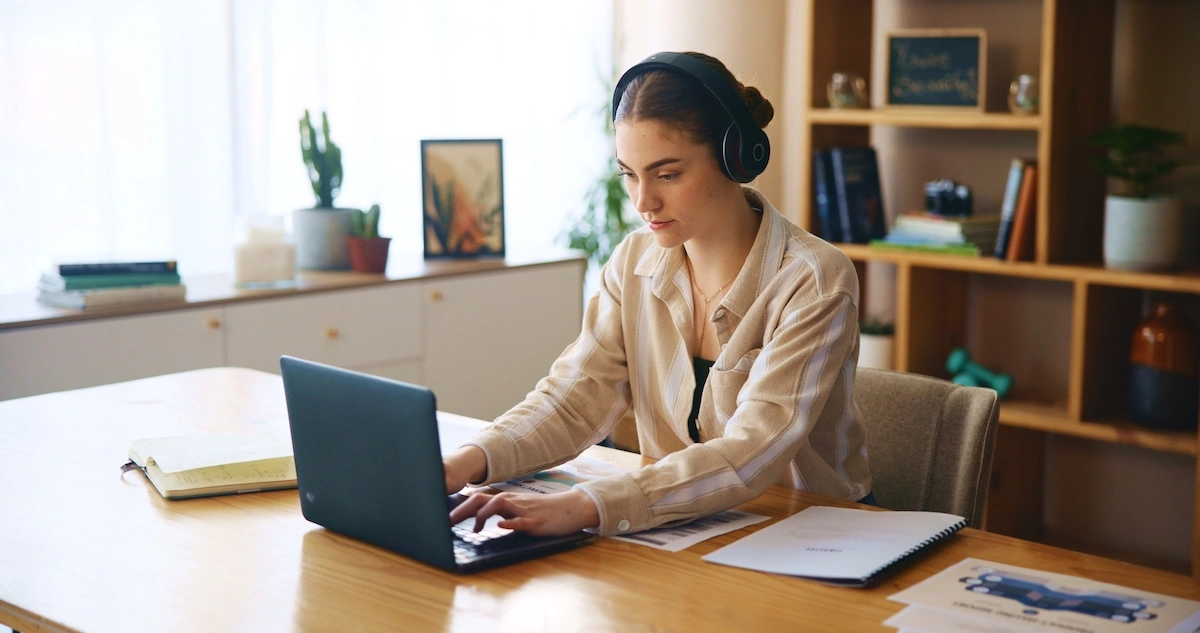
(747, 35)
(1113, 495)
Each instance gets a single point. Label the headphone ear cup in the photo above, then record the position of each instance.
(729, 153)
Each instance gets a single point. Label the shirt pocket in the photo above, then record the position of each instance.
(726, 384)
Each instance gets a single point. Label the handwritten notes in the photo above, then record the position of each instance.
(940, 68)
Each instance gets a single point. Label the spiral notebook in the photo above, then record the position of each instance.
(839, 546)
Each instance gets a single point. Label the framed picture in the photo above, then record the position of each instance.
(941, 70)
(463, 197)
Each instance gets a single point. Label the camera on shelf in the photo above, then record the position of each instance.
(946, 197)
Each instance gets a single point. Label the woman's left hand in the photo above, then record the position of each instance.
(540, 515)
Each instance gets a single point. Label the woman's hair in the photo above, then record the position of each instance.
(683, 103)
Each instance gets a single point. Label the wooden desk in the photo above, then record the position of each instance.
(83, 548)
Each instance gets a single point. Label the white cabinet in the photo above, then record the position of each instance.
(490, 337)
(358, 328)
(100, 351)
(480, 339)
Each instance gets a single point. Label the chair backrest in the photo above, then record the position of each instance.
(929, 441)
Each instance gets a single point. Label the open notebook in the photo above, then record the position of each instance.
(210, 464)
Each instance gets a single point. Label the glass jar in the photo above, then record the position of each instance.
(1023, 95)
(846, 90)
(264, 255)
(1164, 376)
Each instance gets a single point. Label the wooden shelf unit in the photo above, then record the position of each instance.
(939, 297)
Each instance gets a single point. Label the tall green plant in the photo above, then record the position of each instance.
(604, 223)
(323, 158)
(1135, 155)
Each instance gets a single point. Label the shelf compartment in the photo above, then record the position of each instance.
(1036, 416)
(878, 116)
(1186, 281)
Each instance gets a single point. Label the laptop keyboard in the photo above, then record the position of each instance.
(470, 545)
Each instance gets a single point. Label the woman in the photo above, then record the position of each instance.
(731, 332)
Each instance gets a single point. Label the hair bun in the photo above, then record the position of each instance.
(760, 109)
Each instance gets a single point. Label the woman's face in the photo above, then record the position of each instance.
(676, 185)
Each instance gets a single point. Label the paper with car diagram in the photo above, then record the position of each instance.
(978, 596)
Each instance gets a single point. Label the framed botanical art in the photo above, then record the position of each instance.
(462, 183)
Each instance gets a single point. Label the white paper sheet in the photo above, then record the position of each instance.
(681, 537)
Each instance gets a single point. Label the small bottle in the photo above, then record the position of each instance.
(1164, 375)
(1023, 95)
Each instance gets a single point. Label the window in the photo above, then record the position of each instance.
(140, 127)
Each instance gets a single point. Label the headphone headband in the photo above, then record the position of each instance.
(745, 148)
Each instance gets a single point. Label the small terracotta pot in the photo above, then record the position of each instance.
(368, 255)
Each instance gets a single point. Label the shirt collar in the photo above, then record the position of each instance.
(765, 257)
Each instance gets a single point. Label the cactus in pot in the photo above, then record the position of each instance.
(323, 158)
(321, 231)
(368, 251)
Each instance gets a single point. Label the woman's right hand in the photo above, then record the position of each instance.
(463, 466)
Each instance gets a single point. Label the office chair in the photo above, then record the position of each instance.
(929, 441)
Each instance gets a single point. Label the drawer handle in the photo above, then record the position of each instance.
(332, 333)
(435, 295)
(214, 323)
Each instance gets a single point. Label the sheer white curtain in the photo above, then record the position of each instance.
(148, 127)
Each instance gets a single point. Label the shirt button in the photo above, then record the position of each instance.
(719, 314)
(623, 525)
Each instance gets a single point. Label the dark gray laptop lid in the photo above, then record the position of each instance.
(368, 460)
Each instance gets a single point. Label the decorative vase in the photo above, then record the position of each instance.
(876, 350)
(1142, 234)
(368, 255)
(320, 236)
(1164, 377)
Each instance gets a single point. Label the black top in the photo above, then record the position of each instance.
(700, 367)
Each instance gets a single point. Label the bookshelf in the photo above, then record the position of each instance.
(1070, 369)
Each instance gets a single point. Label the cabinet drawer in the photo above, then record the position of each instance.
(85, 354)
(347, 328)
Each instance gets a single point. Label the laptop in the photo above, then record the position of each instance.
(369, 466)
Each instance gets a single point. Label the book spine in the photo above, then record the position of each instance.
(841, 197)
(112, 268)
(966, 249)
(823, 198)
(856, 182)
(103, 297)
(1021, 242)
(1008, 207)
(50, 281)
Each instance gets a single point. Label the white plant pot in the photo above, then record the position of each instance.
(320, 236)
(1142, 234)
(876, 351)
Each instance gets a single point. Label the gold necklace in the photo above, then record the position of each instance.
(704, 323)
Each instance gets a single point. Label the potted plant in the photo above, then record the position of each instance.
(320, 232)
(604, 223)
(1142, 231)
(368, 251)
(876, 344)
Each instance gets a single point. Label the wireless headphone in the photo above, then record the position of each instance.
(745, 148)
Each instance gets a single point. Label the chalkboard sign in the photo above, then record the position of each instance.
(937, 68)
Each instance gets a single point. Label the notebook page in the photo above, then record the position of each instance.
(249, 473)
(189, 452)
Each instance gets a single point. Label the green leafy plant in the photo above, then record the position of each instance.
(323, 158)
(1135, 155)
(876, 326)
(366, 223)
(604, 223)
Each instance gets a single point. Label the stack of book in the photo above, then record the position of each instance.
(110, 283)
(928, 232)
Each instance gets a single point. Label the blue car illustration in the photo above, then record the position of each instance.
(1040, 593)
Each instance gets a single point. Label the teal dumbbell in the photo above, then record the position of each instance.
(972, 374)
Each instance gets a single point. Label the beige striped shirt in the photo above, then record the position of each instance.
(776, 407)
